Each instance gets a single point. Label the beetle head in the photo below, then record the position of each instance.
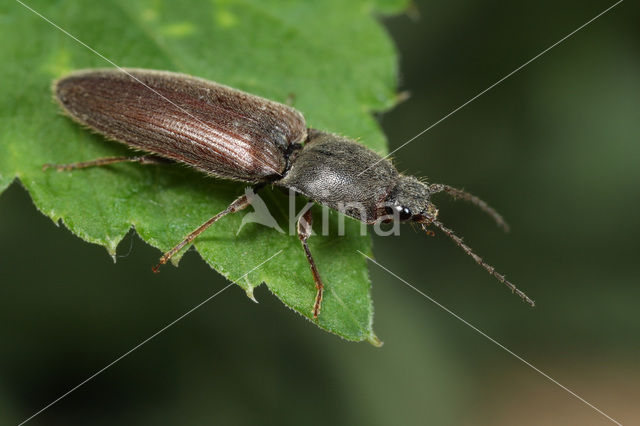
(409, 201)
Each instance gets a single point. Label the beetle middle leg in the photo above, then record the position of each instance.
(304, 231)
(141, 159)
(239, 204)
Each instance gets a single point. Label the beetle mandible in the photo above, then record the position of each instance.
(230, 134)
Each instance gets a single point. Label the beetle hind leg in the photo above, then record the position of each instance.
(141, 159)
(304, 231)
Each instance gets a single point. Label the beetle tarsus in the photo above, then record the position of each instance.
(156, 268)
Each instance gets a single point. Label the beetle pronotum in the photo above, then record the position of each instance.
(230, 134)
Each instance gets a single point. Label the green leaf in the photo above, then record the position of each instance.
(332, 58)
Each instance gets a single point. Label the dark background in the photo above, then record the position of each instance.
(555, 148)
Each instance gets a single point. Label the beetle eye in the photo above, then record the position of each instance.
(405, 214)
(402, 213)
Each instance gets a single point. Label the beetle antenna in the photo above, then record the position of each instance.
(463, 195)
(478, 259)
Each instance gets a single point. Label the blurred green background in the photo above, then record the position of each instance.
(555, 148)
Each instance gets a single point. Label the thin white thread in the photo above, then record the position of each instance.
(494, 85)
(494, 341)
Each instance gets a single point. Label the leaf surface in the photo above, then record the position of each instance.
(332, 59)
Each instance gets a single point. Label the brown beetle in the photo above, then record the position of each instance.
(230, 134)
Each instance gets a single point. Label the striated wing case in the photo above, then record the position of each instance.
(214, 128)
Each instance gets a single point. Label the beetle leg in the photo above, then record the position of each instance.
(239, 204)
(142, 159)
(304, 231)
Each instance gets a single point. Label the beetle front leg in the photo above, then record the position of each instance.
(304, 231)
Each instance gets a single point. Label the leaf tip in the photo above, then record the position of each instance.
(112, 247)
(373, 339)
(249, 291)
